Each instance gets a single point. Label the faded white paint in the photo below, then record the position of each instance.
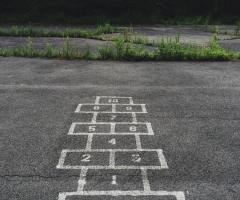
(114, 101)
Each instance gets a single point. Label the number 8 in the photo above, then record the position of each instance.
(133, 128)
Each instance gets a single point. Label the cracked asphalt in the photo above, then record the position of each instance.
(193, 107)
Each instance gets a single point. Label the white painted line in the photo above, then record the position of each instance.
(178, 194)
(138, 142)
(144, 110)
(112, 159)
(89, 142)
(78, 108)
(97, 100)
(114, 180)
(94, 118)
(97, 167)
(111, 150)
(109, 104)
(149, 127)
(72, 127)
(113, 108)
(112, 131)
(131, 100)
(162, 159)
(163, 164)
(117, 112)
(99, 133)
(61, 159)
(82, 179)
(114, 97)
(134, 117)
(146, 184)
(130, 123)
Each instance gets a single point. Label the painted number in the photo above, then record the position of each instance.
(96, 108)
(86, 158)
(92, 128)
(112, 141)
(112, 100)
(136, 158)
(113, 117)
(133, 128)
(128, 108)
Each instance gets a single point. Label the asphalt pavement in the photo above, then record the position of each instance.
(190, 145)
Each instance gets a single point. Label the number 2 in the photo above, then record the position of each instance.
(86, 158)
(136, 158)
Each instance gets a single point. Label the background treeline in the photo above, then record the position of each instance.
(122, 11)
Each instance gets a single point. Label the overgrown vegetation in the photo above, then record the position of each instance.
(30, 31)
(166, 50)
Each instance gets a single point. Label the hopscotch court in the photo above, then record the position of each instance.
(114, 151)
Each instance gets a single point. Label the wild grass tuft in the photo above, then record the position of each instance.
(165, 50)
(30, 31)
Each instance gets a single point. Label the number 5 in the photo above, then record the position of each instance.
(92, 128)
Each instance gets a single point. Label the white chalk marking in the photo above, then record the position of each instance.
(112, 129)
(113, 108)
(136, 158)
(112, 141)
(131, 100)
(71, 130)
(99, 133)
(94, 118)
(110, 104)
(78, 109)
(138, 142)
(178, 194)
(130, 123)
(134, 117)
(82, 179)
(118, 97)
(114, 180)
(111, 150)
(162, 159)
(89, 142)
(146, 184)
(107, 167)
(97, 100)
(112, 159)
(61, 159)
(144, 110)
(150, 130)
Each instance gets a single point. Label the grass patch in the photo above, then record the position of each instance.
(30, 31)
(165, 50)
(27, 50)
